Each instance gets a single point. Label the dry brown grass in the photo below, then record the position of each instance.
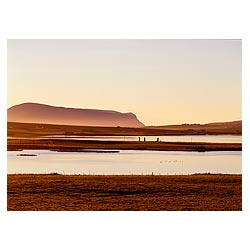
(75, 192)
(35, 130)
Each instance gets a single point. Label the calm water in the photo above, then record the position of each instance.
(186, 138)
(125, 162)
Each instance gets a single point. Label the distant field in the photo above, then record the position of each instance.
(36, 130)
(86, 192)
(209, 128)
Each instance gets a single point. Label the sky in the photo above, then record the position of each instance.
(161, 81)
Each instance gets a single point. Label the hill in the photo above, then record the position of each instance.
(232, 127)
(41, 113)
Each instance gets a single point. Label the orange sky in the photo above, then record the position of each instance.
(161, 81)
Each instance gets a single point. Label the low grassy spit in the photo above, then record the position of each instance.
(63, 145)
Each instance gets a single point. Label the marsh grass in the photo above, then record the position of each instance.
(202, 192)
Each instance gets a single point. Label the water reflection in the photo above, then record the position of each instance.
(184, 138)
(125, 162)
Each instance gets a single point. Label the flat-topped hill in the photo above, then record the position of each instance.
(41, 113)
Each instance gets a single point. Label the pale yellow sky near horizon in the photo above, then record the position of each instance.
(161, 81)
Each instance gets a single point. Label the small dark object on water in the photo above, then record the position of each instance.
(26, 155)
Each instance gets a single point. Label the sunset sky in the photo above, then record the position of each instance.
(161, 81)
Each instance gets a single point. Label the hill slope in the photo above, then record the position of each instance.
(233, 127)
(40, 113)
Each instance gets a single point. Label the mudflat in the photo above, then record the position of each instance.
(201, 192)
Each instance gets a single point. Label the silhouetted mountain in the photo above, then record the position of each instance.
(40, 113)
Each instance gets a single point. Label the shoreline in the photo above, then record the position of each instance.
(61, 145)
(129, 175)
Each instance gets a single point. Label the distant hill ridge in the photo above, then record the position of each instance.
(197, 125)
(41, 113)
(232, 127)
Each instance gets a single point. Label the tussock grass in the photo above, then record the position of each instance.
(203, 192)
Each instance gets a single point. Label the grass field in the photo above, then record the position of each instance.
(35, 130)
(86, 192)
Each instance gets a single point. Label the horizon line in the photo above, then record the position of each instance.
(151, 125)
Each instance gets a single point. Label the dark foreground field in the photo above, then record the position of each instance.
(85, 192)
